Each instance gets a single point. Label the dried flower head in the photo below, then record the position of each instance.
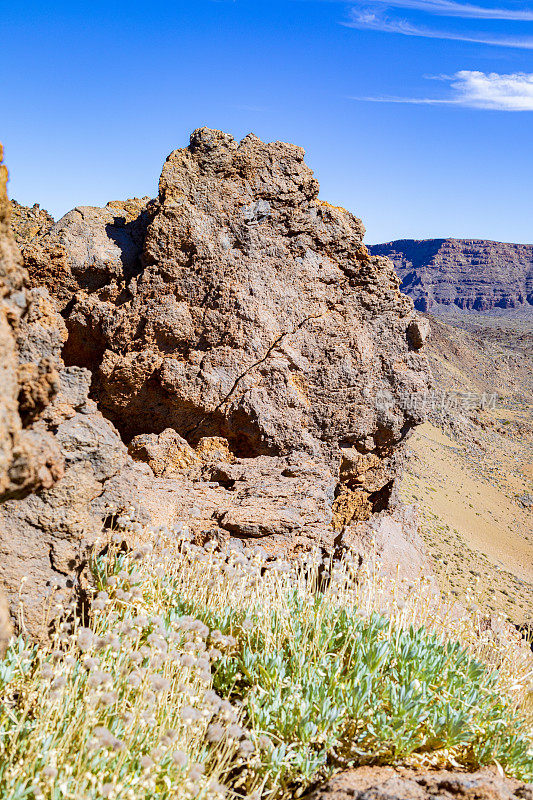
(189, 715)
(180, 758)
(85, 639)
(196, 771)
(215, 732)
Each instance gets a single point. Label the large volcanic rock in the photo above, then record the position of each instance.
(258, 315)
(258, 363)
(468, 273)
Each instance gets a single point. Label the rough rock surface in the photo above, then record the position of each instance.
(28, 223)
(28, 456)
(283, 504)
(385, 783)
(87, 248)
(469, 273)
(53, 442)
(258, 364)
(258, 315)
(46, 537)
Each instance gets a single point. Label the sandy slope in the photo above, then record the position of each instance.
(472, 477)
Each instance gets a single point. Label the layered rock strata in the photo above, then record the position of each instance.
(467, 273)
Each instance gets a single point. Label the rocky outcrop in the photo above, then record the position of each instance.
(386, 783)
(46, 538)
(258, 315)
(29, 223)
(468, 273)
(29, 457)
(240, 338)
(56, 450)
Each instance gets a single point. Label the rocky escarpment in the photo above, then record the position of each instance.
(468, 273)
(257, 362)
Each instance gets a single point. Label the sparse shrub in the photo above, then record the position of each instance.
(201, 673)
(327, 683)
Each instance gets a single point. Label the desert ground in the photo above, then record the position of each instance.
(470, 472)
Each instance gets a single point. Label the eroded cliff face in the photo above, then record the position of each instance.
(467, 273)
(259, 365)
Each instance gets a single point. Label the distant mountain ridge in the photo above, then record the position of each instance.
(468, 273)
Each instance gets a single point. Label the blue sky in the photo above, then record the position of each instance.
(417, 115)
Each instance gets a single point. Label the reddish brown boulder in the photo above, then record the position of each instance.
(386, 783)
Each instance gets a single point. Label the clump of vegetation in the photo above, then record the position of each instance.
(205, 674)
(120, 709)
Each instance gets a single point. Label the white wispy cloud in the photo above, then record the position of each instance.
(472, 89)
(375, 21)
(449, 8)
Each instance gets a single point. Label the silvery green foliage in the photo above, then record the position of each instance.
(200, 673)
(324, 686)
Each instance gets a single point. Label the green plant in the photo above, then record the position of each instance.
(328, 686)
(203, 673)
